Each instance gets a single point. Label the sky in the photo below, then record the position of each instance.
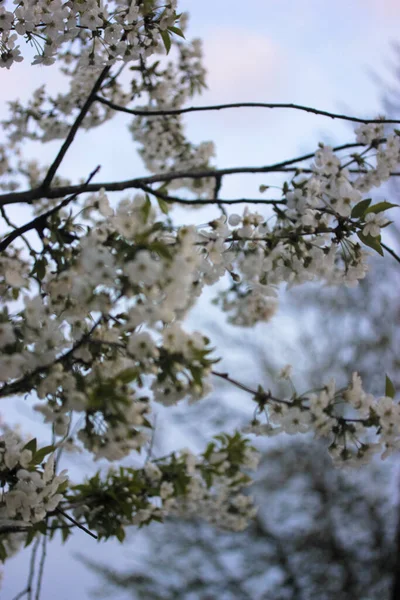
(322, 54)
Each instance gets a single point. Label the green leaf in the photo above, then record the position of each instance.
(146, 208)
(360, 209)
(380, 207)
(197, 373)
(389, 388)
(166, 40)
(42, 453)
(65, 533)
(31, 445)
(40, 268)
(177, 31)
(160, 249)
(164, 206)
(30, 536)
(127, 375)
(120, 534)
(3, 552)
(372, 242)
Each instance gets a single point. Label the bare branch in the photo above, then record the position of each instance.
(40, 221)
(392, 252)
(181, 111)
(208, 201)
(41, 568)
(29, 196)
(71, 135)
(76, 523)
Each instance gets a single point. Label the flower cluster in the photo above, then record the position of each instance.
(164, 147)
(29, 493)
(108, 31)
(367, 426)
(210, 486)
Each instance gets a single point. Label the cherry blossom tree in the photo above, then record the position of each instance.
(96, 286)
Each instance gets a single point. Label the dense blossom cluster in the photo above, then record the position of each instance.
(367, 426)
(209, 485)
(29, 490)
(94, 302)
(163, 144)
(108, 31)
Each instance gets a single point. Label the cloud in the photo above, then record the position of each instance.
(385, 8)
(241, 65)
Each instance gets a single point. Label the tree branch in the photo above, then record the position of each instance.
(29, 196)
(18, 386)
(191, 109)
(40, 221)
(72, 132)
(392, 252)
(41, 568)
(177, 200)
(76, 523)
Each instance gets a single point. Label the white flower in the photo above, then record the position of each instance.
(286, 372)
(166, 490)
(143, 269)
(373, 224)
(296, 421)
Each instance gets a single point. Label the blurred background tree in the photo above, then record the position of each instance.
(321, 533)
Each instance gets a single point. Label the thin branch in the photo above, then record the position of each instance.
(21, 594)
(208, 201)
(17, 387)
(40, 221)
(266, 396)
(391, 252)
(245, 388)
(190, 109)
(29, 196)
(13, 226)
(41, 568)
(28, 589)
(72, 132)
(76, 523)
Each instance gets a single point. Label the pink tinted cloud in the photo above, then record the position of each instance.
(241, 65)
(385, 8)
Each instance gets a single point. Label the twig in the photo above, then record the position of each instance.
(40, 221)
(72, 132)
(391, 252)
(13, 226)
(29, 196)
(190, 109)
(41, 568)
(153, 435)
(79, 525)
(208, 201)
(17, 386)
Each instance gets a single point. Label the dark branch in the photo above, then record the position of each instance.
(71, 135)
(76, 523)
(19, 386)
(30, 196)
(41, 221)
(391, 252)
(190, 109)
(177, 200)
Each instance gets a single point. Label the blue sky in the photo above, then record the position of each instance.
(310, 52)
